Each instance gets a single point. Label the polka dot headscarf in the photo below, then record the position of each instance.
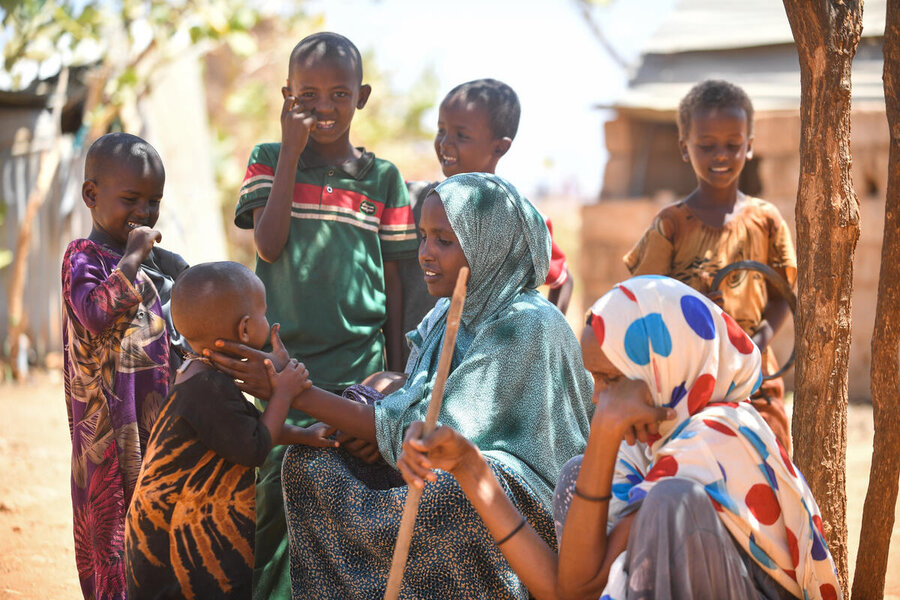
(698, 361)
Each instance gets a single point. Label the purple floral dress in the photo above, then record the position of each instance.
(116, 379)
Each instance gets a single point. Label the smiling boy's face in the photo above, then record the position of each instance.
(465, 141)
(330, 90)
(124, 197)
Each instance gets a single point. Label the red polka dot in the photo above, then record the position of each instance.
(666, 466)
(828, 592)
(731, 404)
(719, 427)
(598, 327)
(627, 292)
(793, 547)
(817, 521)
(652, 438)
(716, 505)
(737, 336)
(785, 459)
(791, 573)
(762, 503)
(701, 392)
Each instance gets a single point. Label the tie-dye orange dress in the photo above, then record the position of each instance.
(678, 244)
(191, 525)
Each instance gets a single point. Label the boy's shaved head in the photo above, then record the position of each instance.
(712, 94)
(117, 150)
(209, 299)
(327, 46)
(498, 99)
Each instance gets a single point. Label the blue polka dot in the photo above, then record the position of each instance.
(677, 394)
(760, 555)
(722, 469)
(644, 333)
(818, 552)
(730, 389)
(754, 439)
(769, 474)
(758, 383)
(620, 490)
(716, 490)
(636, 494)
(697, 315)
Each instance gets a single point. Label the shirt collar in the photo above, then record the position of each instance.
(357, 168)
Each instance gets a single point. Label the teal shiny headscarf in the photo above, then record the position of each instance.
(517, 387)
(505, 240)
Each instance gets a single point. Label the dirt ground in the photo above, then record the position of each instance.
(36, 555)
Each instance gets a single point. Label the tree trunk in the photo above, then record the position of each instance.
(881, 497)
(826, 33)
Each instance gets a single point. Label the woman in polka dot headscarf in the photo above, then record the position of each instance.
(679, 469)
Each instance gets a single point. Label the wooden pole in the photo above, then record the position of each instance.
(401, 549)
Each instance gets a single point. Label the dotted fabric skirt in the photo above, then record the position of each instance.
(342, 533)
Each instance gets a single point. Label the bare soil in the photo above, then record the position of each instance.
(37, 559)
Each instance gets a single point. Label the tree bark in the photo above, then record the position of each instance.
(881, 497)
(826, 33)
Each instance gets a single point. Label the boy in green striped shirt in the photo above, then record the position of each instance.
(330, 223)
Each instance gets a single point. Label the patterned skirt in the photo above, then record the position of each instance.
(342, 533)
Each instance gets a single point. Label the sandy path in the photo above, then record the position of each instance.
(36, 555)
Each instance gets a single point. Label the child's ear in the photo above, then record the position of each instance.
(89, 193)
(501, 146)
(682, 146)
(364, 91)
(243, 329)
(750, 148)
(285, 91)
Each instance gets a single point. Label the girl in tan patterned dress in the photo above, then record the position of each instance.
(717, 225)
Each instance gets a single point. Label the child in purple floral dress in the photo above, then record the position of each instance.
(116, 339)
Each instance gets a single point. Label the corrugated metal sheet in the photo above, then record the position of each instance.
(62, 214)
(699, 25)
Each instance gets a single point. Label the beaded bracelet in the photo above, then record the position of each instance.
(513, 532)
(591, 498)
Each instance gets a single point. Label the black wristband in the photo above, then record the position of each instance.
(591, 498)
(513, 532)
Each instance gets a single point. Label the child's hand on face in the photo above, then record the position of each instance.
(140, 242)
(290, 381)
(625, 410)
(444, 449)
(296, 123)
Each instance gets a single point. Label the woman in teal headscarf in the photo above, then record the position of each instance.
(517, 389)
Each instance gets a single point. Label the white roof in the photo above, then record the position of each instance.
(711, 25)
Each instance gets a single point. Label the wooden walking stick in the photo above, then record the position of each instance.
(401, 549)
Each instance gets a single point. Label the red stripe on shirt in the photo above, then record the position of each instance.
(258, 169)
(400, 215)
(307, 193)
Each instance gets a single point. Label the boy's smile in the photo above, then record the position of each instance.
(329, 90)
(718, 145)
(465, 142)
(124, 198)
(440, 254)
